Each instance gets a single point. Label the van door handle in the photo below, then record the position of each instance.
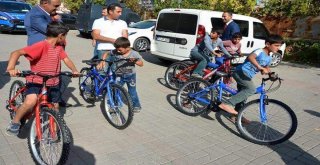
(248, 44)
(252, 44)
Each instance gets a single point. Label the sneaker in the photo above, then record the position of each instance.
(136, 109)
(195, 75)
(13, 128)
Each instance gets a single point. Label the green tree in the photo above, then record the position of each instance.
(32, 2)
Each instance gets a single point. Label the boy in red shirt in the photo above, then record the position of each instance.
(45, 57)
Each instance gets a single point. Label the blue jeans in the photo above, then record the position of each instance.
(202, 61)
(130, 80)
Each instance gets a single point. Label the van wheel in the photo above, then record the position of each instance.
(276, 59)
(141, 44)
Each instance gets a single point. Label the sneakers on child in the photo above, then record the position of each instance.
(136, 109)
(13, 128)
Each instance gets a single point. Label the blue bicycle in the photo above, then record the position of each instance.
(117, 105)
(270, 121)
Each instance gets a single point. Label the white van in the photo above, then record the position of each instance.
(177, 31)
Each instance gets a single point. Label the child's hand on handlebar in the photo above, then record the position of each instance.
(101, 65)
(264, 71)
(13, 72)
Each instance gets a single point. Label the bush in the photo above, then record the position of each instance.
(303, 52)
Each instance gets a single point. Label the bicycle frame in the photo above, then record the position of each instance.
(221, 86)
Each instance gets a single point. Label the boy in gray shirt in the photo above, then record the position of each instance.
(126, 70)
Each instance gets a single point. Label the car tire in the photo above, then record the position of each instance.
(141, 44)
(276, 59)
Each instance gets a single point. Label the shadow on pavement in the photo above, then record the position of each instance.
(3, 79)
(162, 82)
(79, 155)
(219, 116)
(311, 112)
(147, 56)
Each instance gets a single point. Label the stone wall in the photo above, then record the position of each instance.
(307, 27)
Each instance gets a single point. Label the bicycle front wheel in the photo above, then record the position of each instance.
(192, 99)
(54, 146)
(117, 107)
(177, 74)
(86, 86)
(279, 124)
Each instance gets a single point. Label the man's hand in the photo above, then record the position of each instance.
(264, 71)
(76, 74)
(101, 65)
(13, 72)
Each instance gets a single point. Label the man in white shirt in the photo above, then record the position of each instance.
(107, 29)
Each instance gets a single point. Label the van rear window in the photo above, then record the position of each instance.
(177, 23)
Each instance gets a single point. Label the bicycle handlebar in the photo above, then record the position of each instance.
(96, 61)
(28, 73)
(273, 77)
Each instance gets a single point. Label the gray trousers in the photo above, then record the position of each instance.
(245, 87)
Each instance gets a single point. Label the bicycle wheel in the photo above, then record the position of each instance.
(54, 146)
(280, 125)
(194, 105)
(117, 107)
(86, 86)
(15, 87)
(177, 74)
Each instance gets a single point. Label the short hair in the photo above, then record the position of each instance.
(55, 28)
(45, 1)
(216, 30)
(122, 42)
(229, 12)
(274, 38)
(236, 35)
(113, 6)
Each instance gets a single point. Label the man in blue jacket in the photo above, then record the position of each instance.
(230, 26)
(38, 18)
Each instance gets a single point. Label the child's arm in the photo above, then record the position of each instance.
(14, 56)
(139, 63)
(70, 65)
(102, 64)
(252, 59)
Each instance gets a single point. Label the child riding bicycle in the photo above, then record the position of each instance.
(44, 57)
(202, 51)
(258, 61)
(126, 71)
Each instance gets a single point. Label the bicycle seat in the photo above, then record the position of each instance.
(221, 74)
(92, 62)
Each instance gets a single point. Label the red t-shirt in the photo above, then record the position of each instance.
(45, 59)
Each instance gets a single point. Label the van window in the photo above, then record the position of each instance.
(177, 23)
(260, 31)
(217, 23)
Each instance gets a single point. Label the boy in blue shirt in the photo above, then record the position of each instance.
(258, 61)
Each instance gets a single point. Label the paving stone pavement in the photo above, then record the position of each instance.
(160, 134)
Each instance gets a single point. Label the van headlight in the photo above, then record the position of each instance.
(3, 18)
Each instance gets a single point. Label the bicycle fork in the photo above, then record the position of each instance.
(262, 108)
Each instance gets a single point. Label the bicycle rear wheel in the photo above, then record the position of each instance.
(194, 105)
(177, 74)
(86, 86)
(280, 125)
(54, 146)
(15, 87)
(117, 107)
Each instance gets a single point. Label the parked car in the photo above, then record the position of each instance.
(141, 34)
(12, 16)
(69, 20)
(178, 30)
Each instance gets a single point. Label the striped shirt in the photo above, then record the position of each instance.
(46, 59)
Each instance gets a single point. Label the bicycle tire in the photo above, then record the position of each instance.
(51, 141)
(262, 138)
(121, 115)
(87, 95)
(15, 87)
(174, 69)
(191, 106)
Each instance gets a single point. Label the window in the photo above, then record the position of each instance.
(217, 23)
(260, 31)
(177, 23)
(142, 24)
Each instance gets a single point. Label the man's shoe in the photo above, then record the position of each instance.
(13, 128)
(64, 104)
